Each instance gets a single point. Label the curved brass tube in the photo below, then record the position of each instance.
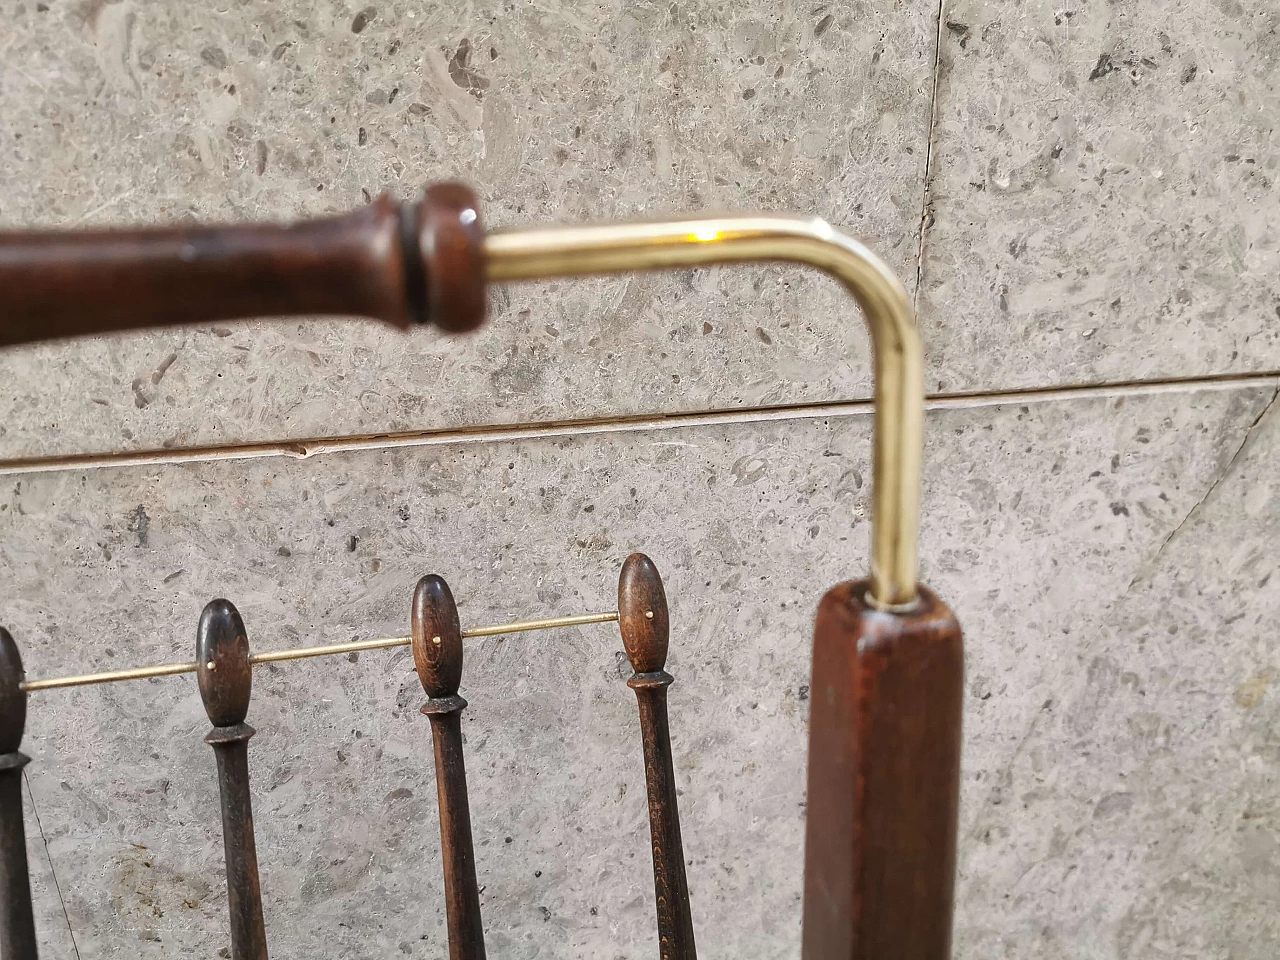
(539, 253)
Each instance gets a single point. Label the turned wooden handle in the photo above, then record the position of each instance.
(884, 779)
(402, 263)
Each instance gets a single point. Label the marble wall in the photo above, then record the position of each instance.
(1079, 196)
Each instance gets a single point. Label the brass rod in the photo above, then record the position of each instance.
(109, 676)
(328, 649)
(573, 621)
(898, 357)
(324, 650)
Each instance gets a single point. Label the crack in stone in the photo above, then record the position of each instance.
(66, 916)
(928, 160)
(1195, 509)
(976, 824)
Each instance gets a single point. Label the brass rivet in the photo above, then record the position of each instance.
(211, 665)
(435, 640)
(648, 614)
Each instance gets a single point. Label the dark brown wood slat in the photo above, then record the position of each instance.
(645, 626)
(437, 654)
(225, 676)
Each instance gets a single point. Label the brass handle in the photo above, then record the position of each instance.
(540, 253)
(430, 262)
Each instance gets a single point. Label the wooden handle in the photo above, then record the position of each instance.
(402, 263)
(884, 779)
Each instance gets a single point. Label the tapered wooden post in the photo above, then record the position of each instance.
(643, 621)
(437, 654)
(225, 676)
(17, 926)
(884, 779)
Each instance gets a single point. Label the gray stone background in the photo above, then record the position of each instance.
(1080, 194)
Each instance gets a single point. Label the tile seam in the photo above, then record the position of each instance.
(305, 449)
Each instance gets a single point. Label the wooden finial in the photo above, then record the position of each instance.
(451, 246)
(13, 699)
(222, 664)
(437, 638)
(642, 614)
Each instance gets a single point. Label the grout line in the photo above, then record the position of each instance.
(318, 446)
(66, 916)
(928, 161)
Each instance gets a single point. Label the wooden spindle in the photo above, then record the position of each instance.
(225, 677)
(884, 779)
(17, 926)
(643, 621)
(437, 654)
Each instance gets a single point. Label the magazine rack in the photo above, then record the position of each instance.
(885, 700)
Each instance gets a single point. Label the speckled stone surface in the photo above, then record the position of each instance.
(160, 112)
(1103, 197)
(1120, 731)
(1133, 812)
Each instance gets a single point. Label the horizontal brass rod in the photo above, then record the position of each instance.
(573, 621)
(109, 676)
(329, 649)
(302, 653)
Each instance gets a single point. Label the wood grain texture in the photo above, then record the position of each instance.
(17, 924)
(437, 637)
(400, 263)
(437, 654)
(884, 777)
(642, 614)
(225, 677)
(644, 623)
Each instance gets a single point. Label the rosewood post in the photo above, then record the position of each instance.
(643, 621)
(437, 654)
(225, 676)
(884, 779)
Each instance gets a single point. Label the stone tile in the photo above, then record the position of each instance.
(1135, 813)
(160, 112)
(1044, 529)
(1103, 197)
